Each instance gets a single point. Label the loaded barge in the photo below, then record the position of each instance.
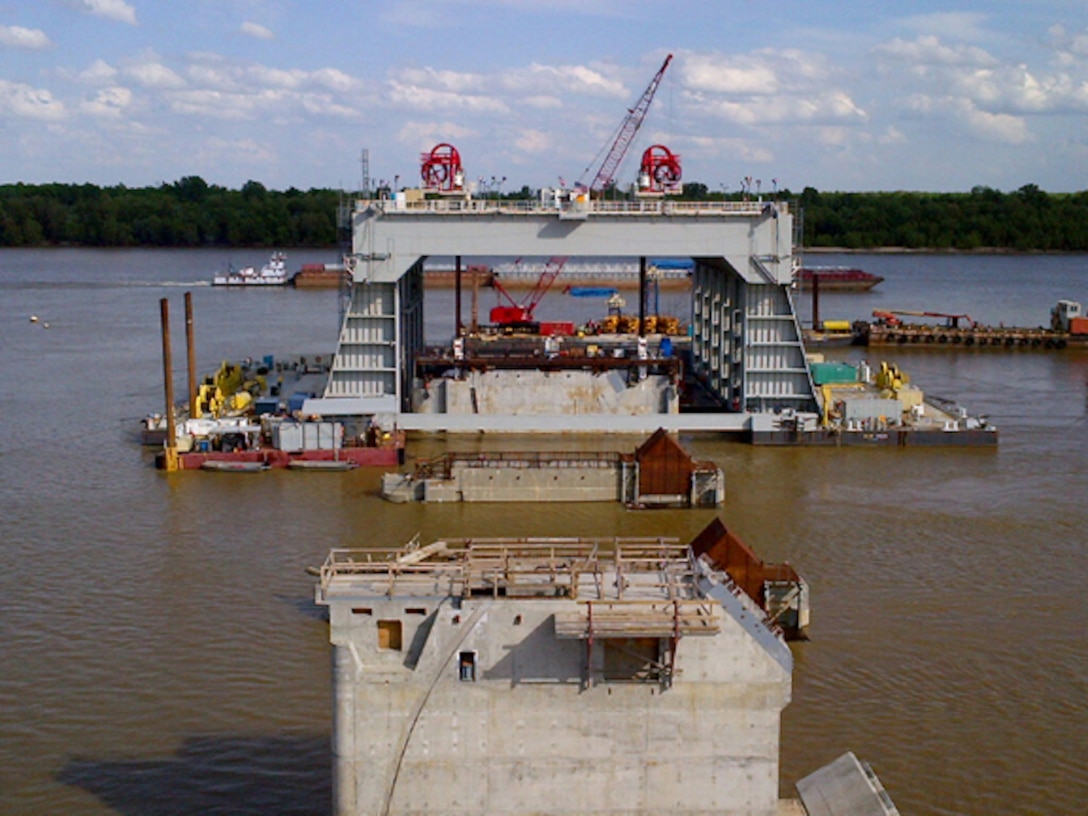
(250, 417)
(874, 408)
(1068, 329)
(835, 279)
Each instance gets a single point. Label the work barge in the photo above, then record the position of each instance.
(938, 330)
(560, 675)
(741, 369)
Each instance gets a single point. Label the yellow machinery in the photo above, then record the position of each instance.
(226, 392)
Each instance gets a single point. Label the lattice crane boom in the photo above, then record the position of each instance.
(628, 129)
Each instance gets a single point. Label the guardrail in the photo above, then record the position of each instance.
(640, 207)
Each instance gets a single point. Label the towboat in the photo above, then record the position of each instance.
(273, 273)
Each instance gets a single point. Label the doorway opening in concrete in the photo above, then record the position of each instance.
(467, 667)
(390, 635)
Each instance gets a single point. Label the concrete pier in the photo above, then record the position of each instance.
(558, 676)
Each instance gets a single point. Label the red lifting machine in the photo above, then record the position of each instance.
(631, 123)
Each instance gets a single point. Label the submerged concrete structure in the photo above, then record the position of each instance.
(747, 346)
(555, 676)
(660, 473)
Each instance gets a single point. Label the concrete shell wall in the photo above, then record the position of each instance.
(539, 484)
(548, 393)
(528, 736)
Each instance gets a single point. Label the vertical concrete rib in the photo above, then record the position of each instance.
(343, 731)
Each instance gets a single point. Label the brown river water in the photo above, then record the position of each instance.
(160, 652)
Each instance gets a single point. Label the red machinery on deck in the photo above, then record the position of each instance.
(441, 170)
(952, 321)
(660, 172)
(516, 316)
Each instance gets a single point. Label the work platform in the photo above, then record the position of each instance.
(746, 342)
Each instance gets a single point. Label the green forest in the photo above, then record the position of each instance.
(188, 213)
(192, 213)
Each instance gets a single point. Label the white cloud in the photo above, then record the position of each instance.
(416, 97)
(110, 9)
(767, 87)
(423, 136)
(932, 68)
(985, 125)
(533, 141)
(543, 102)
(994, 126)
(1070, 50)
(221, 105)
(777, 110)
(152, 74)
(962, 25)
(891, 135)
(98, 72)
(18, 37)
(335, 80)
(564, 79)
(108, 102)
(245, 151)
(928, 50)
(268, 77)
(715, 74)
(213, 75)
(257, 31)
(452, 81)
(26, 102)
(474, 91)
(739, 150)
(325, 105)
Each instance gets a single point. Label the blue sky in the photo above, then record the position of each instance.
(847, 95)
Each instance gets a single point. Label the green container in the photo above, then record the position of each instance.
(833, 373)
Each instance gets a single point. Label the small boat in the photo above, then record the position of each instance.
(233, 466)
(836, 278)
(322, 464)
(273, 273)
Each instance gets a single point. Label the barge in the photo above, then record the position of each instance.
(1068, 329)
(321, 276)
(881, 408)
(250, 416)
(835, 279)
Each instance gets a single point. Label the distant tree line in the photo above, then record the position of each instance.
(192, 213)
(188, 213)
(1026, 220)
